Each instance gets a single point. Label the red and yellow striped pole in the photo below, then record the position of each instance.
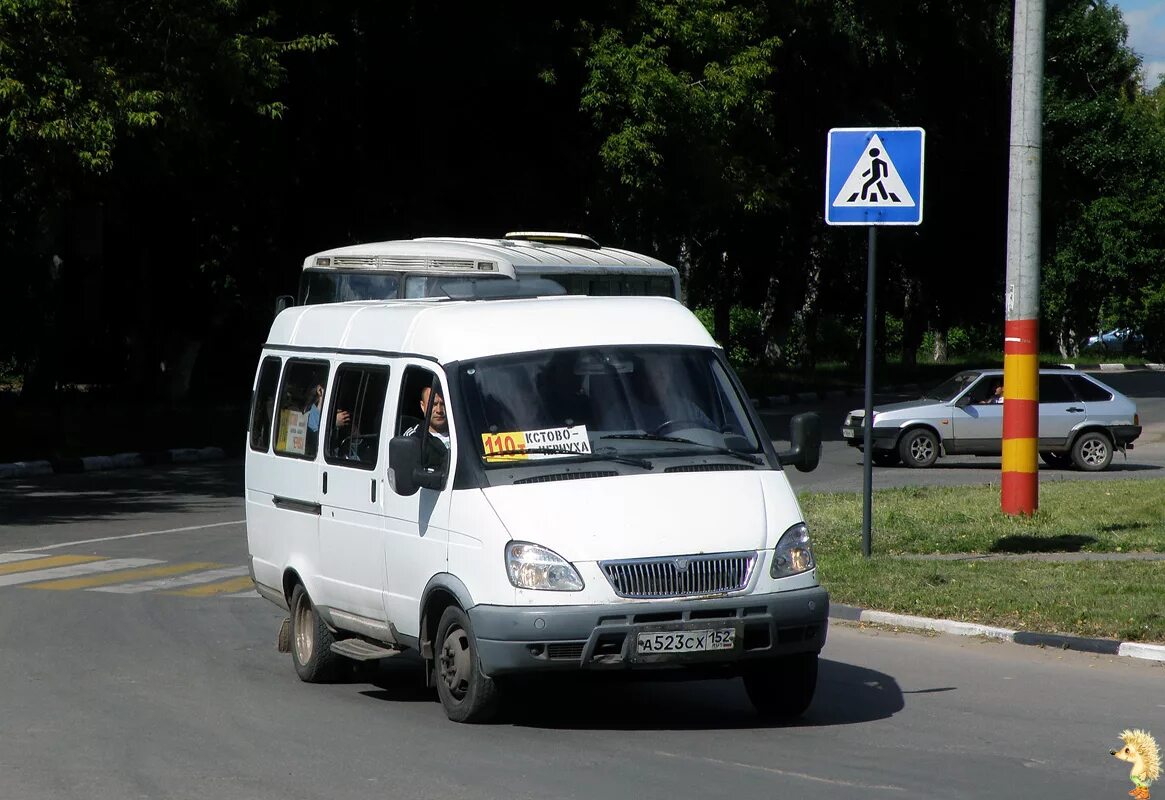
(1021, 416)
(1021, 373)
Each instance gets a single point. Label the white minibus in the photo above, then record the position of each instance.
(536, 484)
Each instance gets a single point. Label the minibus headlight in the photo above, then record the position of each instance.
(793, 554)
(532, 566)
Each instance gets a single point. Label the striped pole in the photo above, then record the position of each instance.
(1021, 416)
(1021, 341)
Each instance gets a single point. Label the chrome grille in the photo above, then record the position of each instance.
(680, 576)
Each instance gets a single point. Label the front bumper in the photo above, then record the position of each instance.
(602, 637)
(883, 438)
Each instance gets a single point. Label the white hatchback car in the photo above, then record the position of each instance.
(1081, 421)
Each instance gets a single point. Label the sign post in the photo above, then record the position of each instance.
(873, 177)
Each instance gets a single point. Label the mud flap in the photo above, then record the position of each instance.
(283, 642)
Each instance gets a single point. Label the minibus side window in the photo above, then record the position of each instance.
(354, 415)
(263, 404)
(301, 403)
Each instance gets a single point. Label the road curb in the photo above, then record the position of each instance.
(63, 466)
(1111, 647)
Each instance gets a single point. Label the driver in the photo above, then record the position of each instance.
(670, 404)
(436, 453)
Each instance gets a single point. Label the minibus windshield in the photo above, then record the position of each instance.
(634, 402)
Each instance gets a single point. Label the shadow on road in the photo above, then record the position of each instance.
(846, 694)
(55, 499)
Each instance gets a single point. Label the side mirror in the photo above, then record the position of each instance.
(805, 437)
(405, 473)
(283, 302)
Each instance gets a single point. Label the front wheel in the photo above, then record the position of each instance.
(466, 694)
(782, 688)
(918, 448)
(1092, 451)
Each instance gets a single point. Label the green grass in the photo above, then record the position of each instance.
(1122, 600)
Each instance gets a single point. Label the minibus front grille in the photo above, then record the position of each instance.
(680, 576)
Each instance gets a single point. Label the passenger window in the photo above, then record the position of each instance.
(301, 403)
(1053, 389)
(1088, 391)
(263, 405)
(354, 415)
(422, 399)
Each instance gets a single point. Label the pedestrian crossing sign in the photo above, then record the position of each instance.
(873, 176)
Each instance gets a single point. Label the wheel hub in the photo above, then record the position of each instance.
(304, 633)
(1093, 452)
(454, 663)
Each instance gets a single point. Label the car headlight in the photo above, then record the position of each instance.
(532, 566)
(793, 553)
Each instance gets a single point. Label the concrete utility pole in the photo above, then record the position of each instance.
(1021, 341)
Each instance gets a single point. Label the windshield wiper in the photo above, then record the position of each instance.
(604, 455)
(655, 437)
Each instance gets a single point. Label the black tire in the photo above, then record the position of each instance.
(1092, 451)
(918, 448)
(1055, 459)
(466, 694)
(886, 458)
(782, 688)
(311, 641)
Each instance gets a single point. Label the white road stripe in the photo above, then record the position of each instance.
(170, 583)
(8, 558)
(72, 571)
(131, 536)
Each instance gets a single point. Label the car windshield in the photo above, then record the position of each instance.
(950, 389)
(605, 402)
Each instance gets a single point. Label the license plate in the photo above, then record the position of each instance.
(685, 641)
(848, 433)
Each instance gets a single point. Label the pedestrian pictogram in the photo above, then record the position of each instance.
(874, 177)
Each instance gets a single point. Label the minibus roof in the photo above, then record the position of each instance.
(455, 330)
(503, 256)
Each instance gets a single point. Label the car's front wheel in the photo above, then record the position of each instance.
(466, 693)
(1092, 451)
(918, 448)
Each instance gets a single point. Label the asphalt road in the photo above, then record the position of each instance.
(841, 465)
(159, 678)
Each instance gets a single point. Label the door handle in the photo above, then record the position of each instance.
(373, 482)
(1075, 410)
(325, 483)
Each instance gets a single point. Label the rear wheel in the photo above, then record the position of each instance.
(466, 694)
(1092, 451)
(886, 458)
(918, 448)
(1055, 459)
(782, 688)
(311, 641)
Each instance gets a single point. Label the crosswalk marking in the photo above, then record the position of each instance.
(171, 583)
(85, 566)
(43, 562)
(233, 585)
(89, 581)
(6, 558)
